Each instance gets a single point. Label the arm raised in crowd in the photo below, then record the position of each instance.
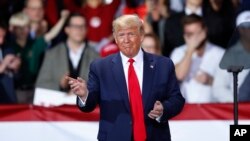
(54, 31)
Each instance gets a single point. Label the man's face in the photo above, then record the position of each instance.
(76, 30)
(129, 40)
(149, 45)
(244, 30)
(195, 2)
(34, 10)
(21, 31)
(193, 30)
(2, 36)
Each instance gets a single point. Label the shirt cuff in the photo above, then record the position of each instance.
(81, 103)
(158, 119)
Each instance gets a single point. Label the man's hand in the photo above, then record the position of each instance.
(64, 82)
(193, 41)
(157, 110)
(78, 87)
(15, 64)
(204, 78)
(65, 13)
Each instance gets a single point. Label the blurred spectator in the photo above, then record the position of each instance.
(30, 51)
(241, 5)
(217, 14)
(177, 5)
(151, 44)
(173, 34)
(8, 7)
(194, 68)
(35, 11)
(70, 58)
(136, 7)
(158, 12)
(238, 54)
(109, 49)
(53, 9)
(9, 64)
(99, 17)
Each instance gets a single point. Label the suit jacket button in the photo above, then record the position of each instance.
(130, 122)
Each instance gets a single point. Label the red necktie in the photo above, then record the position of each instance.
(139, 131)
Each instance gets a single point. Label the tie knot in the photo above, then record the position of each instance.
(131, 61)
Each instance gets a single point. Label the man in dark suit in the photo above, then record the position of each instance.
(133, 89)
(9, 64)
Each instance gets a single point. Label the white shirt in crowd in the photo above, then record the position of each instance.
(76, 56)
(192, 90)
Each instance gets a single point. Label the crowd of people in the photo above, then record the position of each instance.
(42, 41)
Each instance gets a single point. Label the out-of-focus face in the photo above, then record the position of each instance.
(129, 40)
(21, 32)
(76, 30)
(195, 2)
(2, 36)
(149, 45)
(94, 3)
(34, 10)
(244, 30)
(193, 30)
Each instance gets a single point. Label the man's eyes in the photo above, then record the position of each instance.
(128, 34)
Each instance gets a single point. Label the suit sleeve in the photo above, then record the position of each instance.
(175, 101)
(93, 86)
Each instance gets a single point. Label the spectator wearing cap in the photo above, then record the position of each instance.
(239, 54)
(219, 24)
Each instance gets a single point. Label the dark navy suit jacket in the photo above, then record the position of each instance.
(107, 87)
(7, 90)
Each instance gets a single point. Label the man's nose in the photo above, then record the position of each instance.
(126, 38)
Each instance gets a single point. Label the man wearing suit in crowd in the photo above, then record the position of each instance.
(132, 88)
(71, 57)
(9, 65)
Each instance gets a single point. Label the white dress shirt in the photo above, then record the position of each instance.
(192, 90)
(76, 56)
(197, 12)
(138, 66)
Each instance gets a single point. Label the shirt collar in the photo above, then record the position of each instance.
(137, 58)
(79, 50)
(197, 12)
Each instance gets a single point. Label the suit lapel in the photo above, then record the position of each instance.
(148, 75)
(118, 72)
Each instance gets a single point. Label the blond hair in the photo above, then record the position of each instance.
(127, 21)
(19, 19)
